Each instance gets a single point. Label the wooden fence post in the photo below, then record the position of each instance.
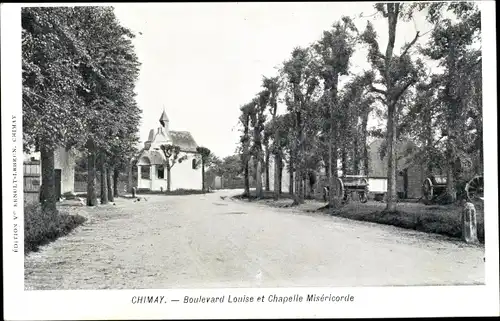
(469, 223)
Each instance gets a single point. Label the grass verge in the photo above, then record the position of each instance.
(438, 219)
(41, 227)
(266, 195)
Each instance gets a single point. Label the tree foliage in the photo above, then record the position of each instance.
(79, 73)
(328, 107)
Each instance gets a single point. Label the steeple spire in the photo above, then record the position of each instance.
(164, 119)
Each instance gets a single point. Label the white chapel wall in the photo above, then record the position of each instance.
(184, 176)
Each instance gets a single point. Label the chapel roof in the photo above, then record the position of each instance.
(184, 140)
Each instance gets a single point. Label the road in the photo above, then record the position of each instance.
(200, 241)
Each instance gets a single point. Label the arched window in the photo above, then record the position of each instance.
(145, 172)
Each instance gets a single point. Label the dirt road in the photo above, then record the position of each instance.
(201, 241)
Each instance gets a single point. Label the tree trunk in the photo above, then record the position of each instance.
(307, 186)
(202, 174)
(110, 185)
(333, 201)
(428, 137)
(277, 182)
(247, 178)
(296, 183)
(291, 180)
(91, 177)
(48, 188)
(299, 163)
(258, 178)
(365, 143)
(344, 160)
(391, 160)
(450, 177)
(116, 175)
(104, 183)
(355, 154)
(277, 165)
(169, 176)
(130, 178)
(280, 174)
(268, 188)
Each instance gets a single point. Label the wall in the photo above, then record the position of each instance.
(184, 176)
(416, 176)
(65, 160)
(217, 182)
(377, 185)
(285, 179)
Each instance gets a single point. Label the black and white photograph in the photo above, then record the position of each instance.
(194, 160)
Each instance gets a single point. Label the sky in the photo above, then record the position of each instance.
(202, 61)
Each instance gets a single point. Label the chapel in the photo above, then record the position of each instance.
(151, 164)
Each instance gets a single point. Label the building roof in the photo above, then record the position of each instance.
(184, 140)
(405, 150)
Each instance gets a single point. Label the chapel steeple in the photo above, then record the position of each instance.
(164, 120)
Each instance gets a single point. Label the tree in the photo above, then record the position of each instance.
(397, 74)
(283, 124)
(53, 115)
(355, 106)
(334, 51)
(171, 153)
(109, 69)
(205, 154)
(265, 142)
(257, 120)
(301, 81)
(245, 145)
(104, 178)
(272, 86)
(450, 46)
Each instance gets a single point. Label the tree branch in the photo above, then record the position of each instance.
(410, 44)
(377, 90)
(382, 99)
(403, 89)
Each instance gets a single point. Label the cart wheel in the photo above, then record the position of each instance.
(428, 189)
(475, 189)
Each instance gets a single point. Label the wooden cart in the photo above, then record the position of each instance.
(434, 187)
(347, 185)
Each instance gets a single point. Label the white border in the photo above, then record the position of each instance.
(369, 302)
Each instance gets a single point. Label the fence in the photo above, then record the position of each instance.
(31, 180)
(81, 182)
(81, 187)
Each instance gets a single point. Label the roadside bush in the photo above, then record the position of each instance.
(43, 227)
